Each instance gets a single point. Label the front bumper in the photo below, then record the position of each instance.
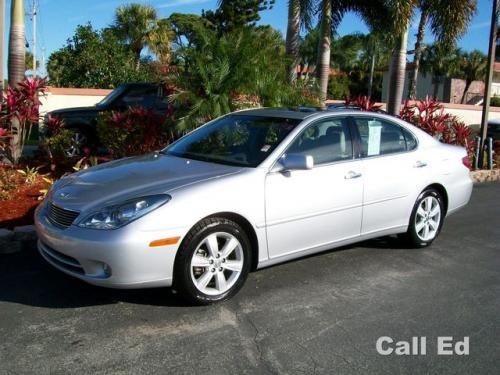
(118, 258)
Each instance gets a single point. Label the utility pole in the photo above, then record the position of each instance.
(2, 39)
(33, 36)
(489, 77)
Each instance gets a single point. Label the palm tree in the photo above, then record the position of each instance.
(16, 60)
(160, 40)
(448, 20)
(398, 22)
(133, 24)
(472, 67)
(331, 13)
(441, 60)
(299, 12)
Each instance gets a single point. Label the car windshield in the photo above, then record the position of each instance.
(111, 96)
(239, 140)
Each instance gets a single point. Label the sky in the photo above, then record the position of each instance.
(57, 20)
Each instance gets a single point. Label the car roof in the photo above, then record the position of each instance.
(299, 113)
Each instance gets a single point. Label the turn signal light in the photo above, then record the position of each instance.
(164, 242)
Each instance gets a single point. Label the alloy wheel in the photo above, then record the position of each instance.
(217, 263)
(77, 142)
(428, 218)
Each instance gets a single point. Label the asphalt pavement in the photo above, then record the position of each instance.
(318, 315)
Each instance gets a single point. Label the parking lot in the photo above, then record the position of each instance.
(319, 315)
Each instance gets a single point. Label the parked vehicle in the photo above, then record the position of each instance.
(248, 190)
(493, 129)
(83, 120)
(350, 107)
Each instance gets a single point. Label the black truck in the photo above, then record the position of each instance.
(83, 120)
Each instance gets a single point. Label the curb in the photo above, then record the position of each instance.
(485, 175)
(17, 240)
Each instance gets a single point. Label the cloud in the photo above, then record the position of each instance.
(178, 3)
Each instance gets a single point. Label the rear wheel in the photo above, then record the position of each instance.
(213, 261)
(426, 219)
(79, 140)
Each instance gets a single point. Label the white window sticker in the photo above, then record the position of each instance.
(374, 133)
(265, 148)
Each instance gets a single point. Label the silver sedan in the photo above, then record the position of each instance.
(249, 190)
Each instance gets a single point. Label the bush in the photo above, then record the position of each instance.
(338, 87)
(495, 101)
(133, 132)
(429, 116)
(59, 143)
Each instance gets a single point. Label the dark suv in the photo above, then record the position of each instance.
(82, 120)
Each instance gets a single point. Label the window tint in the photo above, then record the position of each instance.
(326, 141)
(379, 137)
(411, 142)
(142, 96)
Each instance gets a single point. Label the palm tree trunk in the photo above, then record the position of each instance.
(17, 68)
(466, 88)
(370, 77)
(418, 54)
(397, 74)
(323, 71)
(292, 38)
(16, 63)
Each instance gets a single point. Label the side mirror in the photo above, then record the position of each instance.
(291, 162)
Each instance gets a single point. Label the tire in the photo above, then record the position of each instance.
(426, 219)
(201, 272)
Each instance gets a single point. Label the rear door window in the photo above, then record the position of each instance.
(380, 137)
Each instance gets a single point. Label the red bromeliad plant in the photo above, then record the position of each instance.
(363, 102)
(429, 116)
(19, 110)
(133, 132)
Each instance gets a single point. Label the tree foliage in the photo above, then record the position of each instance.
(94, 58)
(233, 15)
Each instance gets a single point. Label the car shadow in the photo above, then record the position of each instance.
(26, 279)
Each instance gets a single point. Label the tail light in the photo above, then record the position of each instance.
(466, 161)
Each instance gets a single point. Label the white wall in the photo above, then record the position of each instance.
(51, 102)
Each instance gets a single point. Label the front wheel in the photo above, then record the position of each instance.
(213, 261)
(426, 219)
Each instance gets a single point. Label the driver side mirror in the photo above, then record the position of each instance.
(293, 162)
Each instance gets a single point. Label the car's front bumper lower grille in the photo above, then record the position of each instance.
(62, 260)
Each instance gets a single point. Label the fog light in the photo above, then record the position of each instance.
(107, 270)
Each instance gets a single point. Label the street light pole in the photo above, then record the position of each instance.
(2, 39)
(488, 80)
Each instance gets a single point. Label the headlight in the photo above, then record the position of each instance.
(118, 215)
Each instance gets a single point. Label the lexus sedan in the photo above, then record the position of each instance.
(248, 190)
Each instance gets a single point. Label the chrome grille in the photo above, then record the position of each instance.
(61, 217)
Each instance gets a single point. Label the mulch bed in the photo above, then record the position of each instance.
(20, 207)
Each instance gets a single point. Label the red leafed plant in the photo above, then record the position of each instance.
(133, 132)
(429, 116)
(19, 110)
(363, 102)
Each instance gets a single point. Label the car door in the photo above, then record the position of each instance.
(391, 167)
(319, 206)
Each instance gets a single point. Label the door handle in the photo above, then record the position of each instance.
(420, 164)
(351, 175)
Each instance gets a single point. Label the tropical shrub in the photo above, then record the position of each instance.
(8, 183)
(19, 110)
(59, 141)
(133, 132)
(363, 102)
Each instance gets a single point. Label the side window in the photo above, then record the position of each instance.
(326, 141)
(411, 142)
(144, 97)
(379, 137)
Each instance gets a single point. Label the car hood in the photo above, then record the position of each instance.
(76, 111)
(128, 178)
